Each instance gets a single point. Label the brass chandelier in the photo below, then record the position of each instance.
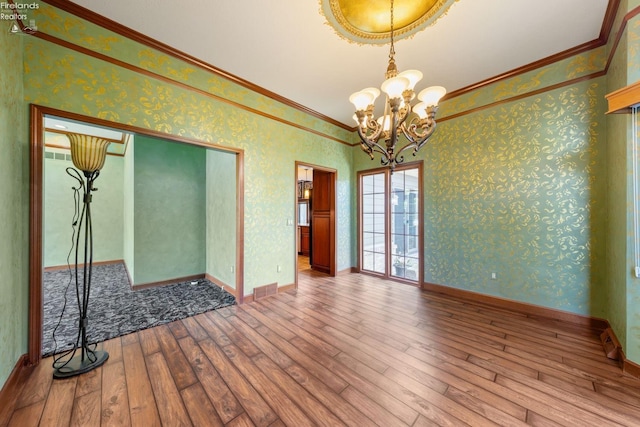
(397, 118)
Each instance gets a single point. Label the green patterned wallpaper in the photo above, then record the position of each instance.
(580, 65)
(64, 79)
(78, 31)
(518, 190)
(511, 190)
(523, 179)
(14, 190)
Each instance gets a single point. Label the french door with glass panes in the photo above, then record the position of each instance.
(390, 223)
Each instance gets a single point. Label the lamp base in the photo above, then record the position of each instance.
(77, 366)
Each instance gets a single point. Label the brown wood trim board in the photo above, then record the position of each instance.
(11, 389)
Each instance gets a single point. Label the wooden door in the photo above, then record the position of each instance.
(322, 256)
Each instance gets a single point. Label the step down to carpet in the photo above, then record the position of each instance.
(265, 291)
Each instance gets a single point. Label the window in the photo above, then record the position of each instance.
(390, 223)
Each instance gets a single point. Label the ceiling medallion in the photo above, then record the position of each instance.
(367, 21)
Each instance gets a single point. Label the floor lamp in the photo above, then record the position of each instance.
(88, 154)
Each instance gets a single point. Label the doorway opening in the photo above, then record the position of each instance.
(315, 215)
(142, 275)
(390, 226)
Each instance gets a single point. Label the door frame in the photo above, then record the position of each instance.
(332, 217)
(36, 204)
(410, 165)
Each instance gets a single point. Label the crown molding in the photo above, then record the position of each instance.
(131, 34)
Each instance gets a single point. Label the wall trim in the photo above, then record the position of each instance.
(11, 389)
(118, 63)
(628, 366)
(222, 285)
(521, 307)
(284, 288)
(117, 28)
(623, 25)
(110, 25)
(95, 263)
(348, 270)
(524, 95)
(167, 282)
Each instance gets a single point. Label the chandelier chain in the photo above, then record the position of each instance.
(392, 50)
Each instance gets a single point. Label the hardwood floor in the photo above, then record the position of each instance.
(352, 350)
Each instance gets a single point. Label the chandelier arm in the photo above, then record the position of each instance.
(420, 137)
(375, 128)
(370, 140)
(370, 144)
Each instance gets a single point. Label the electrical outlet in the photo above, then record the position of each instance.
(233, 269)
(279, 269)
(494, 276)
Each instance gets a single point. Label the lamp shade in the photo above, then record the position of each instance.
(414, 76)
(88, 152)
(431, 95)
(394, 86)
(361, 100)
(421, 109)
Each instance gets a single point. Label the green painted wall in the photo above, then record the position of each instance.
(169, 210)
(14, 190)
(107, 211)
(221, 216)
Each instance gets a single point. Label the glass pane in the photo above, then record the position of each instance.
(379, 242)
(378, 223)
(380, 263)
(411, 245)
(378, 182)
(411, 204)
(367, 241)
(379, 203)
(367, 222)
(398, 223)
(411, 174)
(302, 213)
(398, 244)
(397, 201)
(411, 268)
(367, 261)
(367, 204)
(397, 180)
(367, 184)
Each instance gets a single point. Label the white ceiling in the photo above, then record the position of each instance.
(286, 46)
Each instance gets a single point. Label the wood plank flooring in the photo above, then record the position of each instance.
(352, 350)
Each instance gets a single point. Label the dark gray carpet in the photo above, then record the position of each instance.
(115, 310)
